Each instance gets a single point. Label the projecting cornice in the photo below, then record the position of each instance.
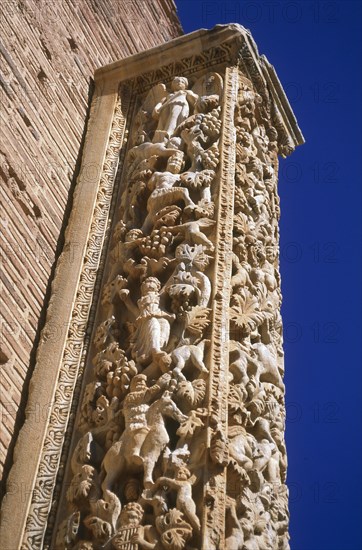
(224, 42)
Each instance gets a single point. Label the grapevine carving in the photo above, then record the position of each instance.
(257, 507)
(146, 428)
(179, 436)
(136, 477)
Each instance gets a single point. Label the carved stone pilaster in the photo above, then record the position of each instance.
(217, 458)
(167, 426)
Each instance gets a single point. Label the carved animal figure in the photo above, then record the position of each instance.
(192, 234)
(240, 450)
(157, 437)
(147, 150)
(269, 371)
(120, 457)
(181, 355)
(264, 367)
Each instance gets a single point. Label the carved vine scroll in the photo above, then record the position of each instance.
(178, 438)
(137, 471)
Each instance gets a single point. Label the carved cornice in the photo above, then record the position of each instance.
(232, 42)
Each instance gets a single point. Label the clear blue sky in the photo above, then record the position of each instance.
(315, 47)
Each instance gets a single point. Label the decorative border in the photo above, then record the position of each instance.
(69, 369)
(126, 102)
(188, 65)
(214, 516)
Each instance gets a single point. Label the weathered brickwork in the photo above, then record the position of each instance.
(49, 52)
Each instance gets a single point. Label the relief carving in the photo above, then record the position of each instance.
(137, 465)
(167, 426)
(257, 514)
(180, 441)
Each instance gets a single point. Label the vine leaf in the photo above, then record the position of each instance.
(245, 312)
(188, 427)
(197, 320)
(192, 392)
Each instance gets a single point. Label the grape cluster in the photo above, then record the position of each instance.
(210, 158)
(211, 124)
(154, 245)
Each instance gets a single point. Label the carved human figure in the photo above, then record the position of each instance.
(123, 253)
(135, 408)
(182, 484)
(173, 109)
(164, 190)
(152, 324)
(131, 534)
(145, 435)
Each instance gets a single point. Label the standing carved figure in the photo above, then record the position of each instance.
(184, 501)
(152, 324)
(173, 109)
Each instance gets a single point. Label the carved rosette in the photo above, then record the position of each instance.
(178, 441)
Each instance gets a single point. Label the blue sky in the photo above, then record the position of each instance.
(315, 47)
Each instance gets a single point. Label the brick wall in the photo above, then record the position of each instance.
(48, 53)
